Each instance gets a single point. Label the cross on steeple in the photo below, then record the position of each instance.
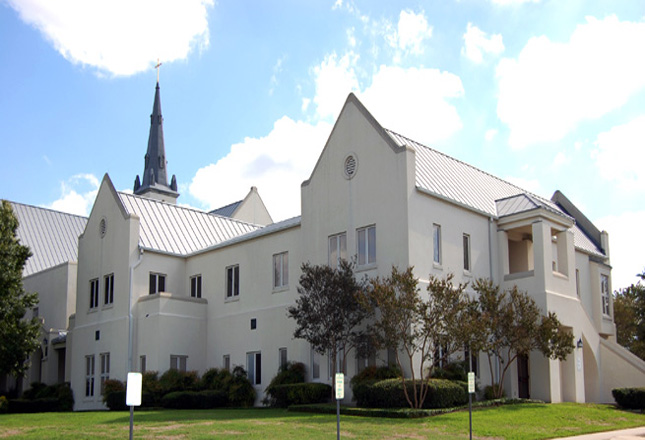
(157, 67)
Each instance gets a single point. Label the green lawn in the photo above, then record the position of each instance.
(529, 421)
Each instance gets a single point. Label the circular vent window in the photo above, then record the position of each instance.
(103, 227)
(351, 164)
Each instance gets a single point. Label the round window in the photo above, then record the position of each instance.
(351, 164)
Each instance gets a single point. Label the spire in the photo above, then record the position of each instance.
(155, 179)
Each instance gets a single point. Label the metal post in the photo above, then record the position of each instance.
(470, 395)
(337, 401)
(131, 420)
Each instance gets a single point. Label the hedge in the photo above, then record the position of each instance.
(630, 398)
(44, 398)
(207, 399)
(389, 394)
(299, 394)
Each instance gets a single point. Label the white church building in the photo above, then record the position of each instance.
(156, 285)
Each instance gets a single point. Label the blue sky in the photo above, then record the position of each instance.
(546, 94)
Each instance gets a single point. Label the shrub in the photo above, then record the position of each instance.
(206, 399)
(114, 395)
(490, 392)
(389, 394)
(4, 405)
(175, 380)
(45, 404)
(216, 379)
(151, 391)
(291, 373)
(299, 394)
(44, 398)
(630, 398)
(375, 374)
(455, 371)
(241, 392)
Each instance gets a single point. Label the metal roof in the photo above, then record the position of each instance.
(51, 235)
(180, 230)
(228, 210)
(463, 184)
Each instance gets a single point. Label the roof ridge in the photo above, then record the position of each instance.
(47, 209)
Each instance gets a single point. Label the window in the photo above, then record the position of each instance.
(337, 249)
(364, 362)
(366, 245)
(94, 293)
(467, 252)
(280, 270)
(254, 367)
(282, 357)
(226, 362)
(604, 293)
(196, 286)
(439, 358)
(254, 323)
(89, 376)
(436, 244)
(108, 298)
(157, 283)
(178, 362)
(233, 281)
(105, 369)
(578, 282)
(142, 364)
(315, 364)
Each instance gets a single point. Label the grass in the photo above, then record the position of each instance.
(528, 421)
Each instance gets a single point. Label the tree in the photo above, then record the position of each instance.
(327, 312)
(629, 316)
(512, 326)
(19, 337)
(403, 321)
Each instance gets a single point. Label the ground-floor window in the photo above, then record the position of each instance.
(178, 362)
(105, 369)
(89, 376)
(142, 364)
(254, 367)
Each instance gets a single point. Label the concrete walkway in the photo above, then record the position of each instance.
(624, 434)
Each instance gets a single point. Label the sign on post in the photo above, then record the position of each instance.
(133, 390)
(340, 386)
(471, 382)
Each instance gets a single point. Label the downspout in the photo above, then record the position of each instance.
(130, 323)
(490, 265)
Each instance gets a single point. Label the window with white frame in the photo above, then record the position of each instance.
(604, 293)
(436, 244)
(89, 376)
(337, 249)
(315, 364)
(196, 286)
(281, 270)
(105, 369)
(94, 293)
(467, 252)
(578, 282)
(226, 362)
(142, 364)
(254, 367)
(282, 357)
(108, 282)
(178, 362)
(366, 241)
(157, 283)
(233, 281)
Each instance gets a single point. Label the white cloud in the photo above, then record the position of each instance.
(119, 37)
(77, 194)
(490, 134)
(513, 2)
(620, 155)
(552, 86)
(560, 159)
(411, 33)
(626, 244)
(415, 102)
(476, 43)
(532, 185)
(334, 78)
(276, 164)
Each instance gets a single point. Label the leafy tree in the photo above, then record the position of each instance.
(327, 312)
(629, 316)
(512, 326)
(19, 337)
(414, 327)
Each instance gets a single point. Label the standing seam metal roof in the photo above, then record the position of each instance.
(51, 235)
(180, 230)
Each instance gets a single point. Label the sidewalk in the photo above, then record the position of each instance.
(624, 434)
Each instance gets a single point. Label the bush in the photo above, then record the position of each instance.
(455, 371)
(151, 392)
(175, 380)
(389, 394)
(207, 399)
(374, 374)
(216, 379)
(44, 398)
(45, 404)
(114, 395)
(291, 373)
(490, 390)
(299, 394)
(4, 405)
(630, 398)
(241, 392)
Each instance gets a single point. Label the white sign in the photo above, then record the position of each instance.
(133, 390)
(340, 386)
(471, 382)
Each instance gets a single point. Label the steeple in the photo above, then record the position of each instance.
(155, 179)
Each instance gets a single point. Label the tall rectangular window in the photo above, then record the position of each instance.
(108, 281)
(604, 293)
(178, 362)
(315, 364)
(436, 243)
(105, 369)
(157, 283)
(142, 364)
(94, 293)
(281, 270)
(254, 367)
(226, 362)
(337, 249)
(578, 282)
(233, 281)
(89, 376)
(467, 252)
(282, 357)
(366, 245)
(196, 286)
